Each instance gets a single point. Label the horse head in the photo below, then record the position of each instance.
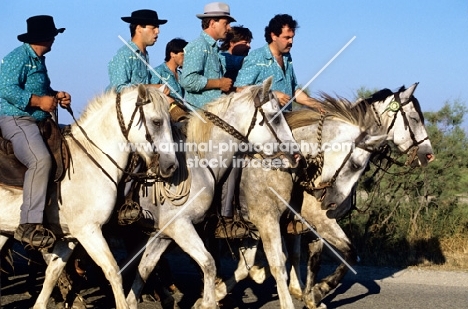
(337, 144)
(271, 131)
(151, 133)
(400, 114)
(344, 179)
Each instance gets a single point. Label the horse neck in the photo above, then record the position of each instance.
(237, 116)
(101, 138)
(333, 131)
(222, 156)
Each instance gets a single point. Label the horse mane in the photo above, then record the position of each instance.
(97, 104)
(385, 93)
(336, 107)
(199, 127)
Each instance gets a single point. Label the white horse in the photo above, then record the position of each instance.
(253, 114)
(100, 143)
(342, 133)
(399, 114)
(389, 116)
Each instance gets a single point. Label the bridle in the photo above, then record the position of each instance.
(396, 106)
(317, 162)
(222, 124)
(125, 131)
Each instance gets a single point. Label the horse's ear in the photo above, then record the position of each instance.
(263, 95)
(406, 95)
(142, 93)
(267, 84)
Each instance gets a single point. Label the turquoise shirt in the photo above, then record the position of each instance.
(127, 69)
(22, 74)
(260, 64)
(167, 77)
(201, 62)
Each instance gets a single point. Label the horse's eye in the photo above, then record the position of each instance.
(414, 117)
(355, 165)
(157, 123)
(276, 121)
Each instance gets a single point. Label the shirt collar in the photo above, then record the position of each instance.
(31, 51)
(212, 42)
(134, 47)
(269, 55)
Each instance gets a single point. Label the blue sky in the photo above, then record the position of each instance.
(397, 42)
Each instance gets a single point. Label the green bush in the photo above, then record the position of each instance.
(403, 213)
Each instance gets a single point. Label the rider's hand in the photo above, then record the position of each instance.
(225, 84)
(45, 103)
(63, 98)
(283, 98)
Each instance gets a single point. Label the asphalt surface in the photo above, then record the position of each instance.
(371, 287)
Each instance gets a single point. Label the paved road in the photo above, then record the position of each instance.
(370, 288)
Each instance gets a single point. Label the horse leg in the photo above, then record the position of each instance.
(56, 262)
(340, 241)
(93, 242)
(273, 247)
(153, 251)
(194, 246)
(3, 240)
(313, 266)
(246, 259)
(293, 244)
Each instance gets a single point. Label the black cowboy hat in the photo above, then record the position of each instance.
(144, 17)
(41, 28)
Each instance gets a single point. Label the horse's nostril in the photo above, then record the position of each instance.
(430, 157)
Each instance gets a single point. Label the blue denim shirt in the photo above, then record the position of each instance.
(231, 63)
(201, 62)
(260, 64)
(127, 69)
(167, 77)
(22, 74)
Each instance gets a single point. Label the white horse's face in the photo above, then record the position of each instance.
(352, 168)
(273, 133)
(150, 131)
(401, 115)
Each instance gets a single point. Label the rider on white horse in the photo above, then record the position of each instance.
(26, 100)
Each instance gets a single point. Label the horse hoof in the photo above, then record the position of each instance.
(257, 274)
(198, 305)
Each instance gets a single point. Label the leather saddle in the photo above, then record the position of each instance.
(12, 170)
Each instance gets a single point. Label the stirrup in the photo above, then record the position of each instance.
(233, 229)
(34, 236)
(130, 212)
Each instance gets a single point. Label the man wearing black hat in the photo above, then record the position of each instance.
(26, 98)
(130, 65)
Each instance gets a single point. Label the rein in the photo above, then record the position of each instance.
(317, 161)
(125, 131)
(330, 183)
(222, 124)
